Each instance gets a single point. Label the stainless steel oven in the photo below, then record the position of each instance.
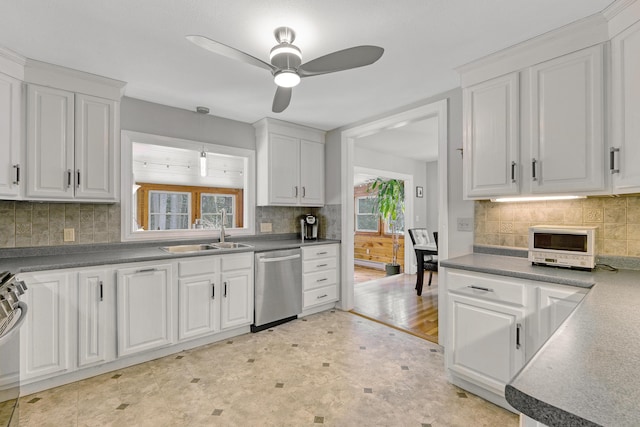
(13, 312)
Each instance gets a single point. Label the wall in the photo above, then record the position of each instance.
(431, 192)
(618, 219)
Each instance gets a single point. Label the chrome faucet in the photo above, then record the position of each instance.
(224, 219)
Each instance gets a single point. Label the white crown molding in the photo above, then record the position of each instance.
(12, 63)
(290, 129)
(46, 74)
(621, 14)
(577, 35)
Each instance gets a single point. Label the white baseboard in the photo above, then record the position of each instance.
(369, 264)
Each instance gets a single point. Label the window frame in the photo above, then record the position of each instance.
(357, 213)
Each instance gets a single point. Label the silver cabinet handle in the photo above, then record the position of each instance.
(322, 296)
(322, 253)
(146, 270)
(321, 265)
(304, 191)
(68, 178)
(213, 291)
(513, 171)
(322, 280)
(17, 168)
(518, 328)
(296, 188)
(225, 289)
(480, 288)
(533, 169)
(78, 178)
(612, 160)
(101, 294)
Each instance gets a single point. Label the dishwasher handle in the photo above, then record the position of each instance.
(277, 259)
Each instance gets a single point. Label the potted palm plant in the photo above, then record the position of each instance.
(389, 204)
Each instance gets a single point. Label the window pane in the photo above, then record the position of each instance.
(366, 205)
(169, 210)
(367, 223)
(211, 210)
(399, 225)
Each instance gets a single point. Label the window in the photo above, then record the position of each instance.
(211, 206)
(169, 210)
(366, 217)
(399, 225)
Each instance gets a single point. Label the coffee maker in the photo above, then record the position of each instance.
(309, 227)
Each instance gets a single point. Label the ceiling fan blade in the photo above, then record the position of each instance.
(346, 59)
(229, 52)
(281, 99)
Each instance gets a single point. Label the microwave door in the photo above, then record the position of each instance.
(560, 242)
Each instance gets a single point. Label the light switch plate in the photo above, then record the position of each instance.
(265, 227)
(465, 224)
(69, 235)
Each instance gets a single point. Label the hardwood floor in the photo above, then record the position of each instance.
(393, 301)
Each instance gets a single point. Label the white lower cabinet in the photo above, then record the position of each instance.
(495, 324)
(320, 274)
(46, 336)
(144, 308)
(96, 317)
(237, 290)
(199, 297)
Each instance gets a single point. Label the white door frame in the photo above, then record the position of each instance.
(408, 207)
(436, 109)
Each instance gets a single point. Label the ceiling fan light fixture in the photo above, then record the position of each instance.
(286, 78)
(203, 164)
(285, 48)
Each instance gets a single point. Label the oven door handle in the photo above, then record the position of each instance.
(16, 326)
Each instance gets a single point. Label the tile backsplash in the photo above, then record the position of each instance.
(507, 224)
(25, 224)
(31, 224)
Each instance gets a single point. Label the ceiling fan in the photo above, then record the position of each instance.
(286, 58)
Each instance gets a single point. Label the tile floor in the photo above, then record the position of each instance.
(332, 369)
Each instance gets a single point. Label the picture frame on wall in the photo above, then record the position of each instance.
(419, 192)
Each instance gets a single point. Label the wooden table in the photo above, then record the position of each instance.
(421, 252)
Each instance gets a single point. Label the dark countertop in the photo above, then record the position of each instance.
(587, 373)
(75, 256)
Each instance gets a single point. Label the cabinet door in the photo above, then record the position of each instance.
(567, 113)
(492, 137)
(237, 298)
(555, 304)
(50, 141)
(311, 173)
(199, 308)
(284, 170)
(10, 136)
(95, 159)
(44, 338)
(144, 308)
(96, 340)
(625, 53)
(485, 341)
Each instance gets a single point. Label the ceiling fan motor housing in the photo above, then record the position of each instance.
(286, 56)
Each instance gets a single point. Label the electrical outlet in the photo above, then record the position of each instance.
(69, 235)
(265, 227)
(465, 224)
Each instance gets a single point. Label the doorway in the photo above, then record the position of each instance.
(437, 110)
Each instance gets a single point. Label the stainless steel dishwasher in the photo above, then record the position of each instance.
(278, 288)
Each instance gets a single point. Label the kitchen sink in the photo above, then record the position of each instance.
(230, 245)
(182, 249)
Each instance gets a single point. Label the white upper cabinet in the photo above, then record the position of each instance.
(492, 136)
(567, 122)
(70, 145)
(10, 136)
(625, 114)
(290, 167)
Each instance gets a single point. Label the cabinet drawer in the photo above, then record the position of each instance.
(320, 295)
(197, 266)
(237, 262)
(319, 264)
(487, 286)
(321, 251)
(319, 278)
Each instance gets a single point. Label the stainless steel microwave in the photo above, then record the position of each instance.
(563, 246)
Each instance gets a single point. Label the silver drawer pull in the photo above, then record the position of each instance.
(480, 288)
(147, 270)
(322, 253)
(322, 280)
(322, 265)
(323, 296)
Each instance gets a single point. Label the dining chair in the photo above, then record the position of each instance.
(426, 254)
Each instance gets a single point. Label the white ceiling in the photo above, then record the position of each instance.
(142, 42)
